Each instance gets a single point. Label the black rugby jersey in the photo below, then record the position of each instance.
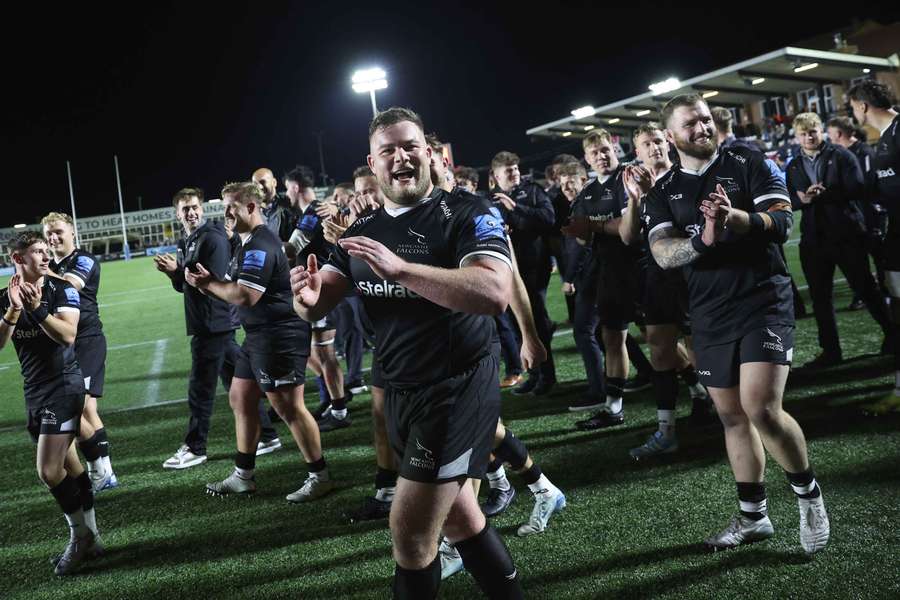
(418, 341)
(86, 268)
(609, 201)
(887, 174)
(41, 359)
(742, 283)
(260, 264)
(310, 226)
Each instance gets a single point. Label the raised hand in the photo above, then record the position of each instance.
(199, 279)
(165, 263)
(14, 291)
(382, 261)
(31, 296)
(306, 283)
(577, 227)
(505, 200)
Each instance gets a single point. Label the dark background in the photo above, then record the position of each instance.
(204, 93)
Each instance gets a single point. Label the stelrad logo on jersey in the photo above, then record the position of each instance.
(385, 289)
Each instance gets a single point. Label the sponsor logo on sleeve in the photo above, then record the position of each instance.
(254, 260)
(73, 297)
(84, 264)
(489, 225)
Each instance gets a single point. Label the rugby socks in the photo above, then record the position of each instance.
(804, 484)
(86, 493)
(665, 384)
(103, 444)
(689, 376)
(512, 451)
(66, 494)
(752, 498)
(486, 558)
(339, 407)
(417, 584)
(666, 420)
(496, 475)
(245, 464)
(614, 386)
(90, 449)
(897, 383)
(318, 468)
(385, 484)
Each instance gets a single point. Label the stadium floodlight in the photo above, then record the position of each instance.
(758, 81)
(642, 113)
(370, 80)
(584, 112)
(867, 71)
(613, 121)
(566, 133)
(661, 87)
(20, 226)
(806, 67)
(214, 200)
(710, 94)
(588, 127)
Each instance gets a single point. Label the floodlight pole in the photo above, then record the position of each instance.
(72, 199)
(374, 106)
(121, 210)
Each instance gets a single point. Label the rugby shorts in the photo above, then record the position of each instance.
(91, 354)
(274, 358)
(719, 365)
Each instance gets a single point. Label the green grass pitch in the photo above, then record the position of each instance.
(630, 530)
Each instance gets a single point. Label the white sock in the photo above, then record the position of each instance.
(97, 466)
(754, 507)
(541, 486)
(614, 405)
(497, 480)
(339, 414)
(897, 383)
(77, 525)
(666, 420)
(90, 519)
(107, 464)
(244, 473)
(385, 494)
(321, 475)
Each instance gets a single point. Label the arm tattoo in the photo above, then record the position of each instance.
(672, 250)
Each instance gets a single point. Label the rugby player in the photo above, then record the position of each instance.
(826, 183)
(207, 319)
(82, 270)
(612, 285)
(721, 216)
(309, 238)
(419, 262)
(663, 298)
(275, 349)
(40, 316)
(872, 103)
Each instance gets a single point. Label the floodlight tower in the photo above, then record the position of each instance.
(369, 80)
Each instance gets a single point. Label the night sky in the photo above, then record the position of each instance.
(203, 93)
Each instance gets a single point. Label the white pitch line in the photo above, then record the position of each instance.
(130, 292)
(133, 301)
(159, 355)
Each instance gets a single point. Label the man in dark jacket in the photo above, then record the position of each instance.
(208, 319)
(825, 182)
(279, 214)
(527, 210)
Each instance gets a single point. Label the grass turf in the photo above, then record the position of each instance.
(630, 530)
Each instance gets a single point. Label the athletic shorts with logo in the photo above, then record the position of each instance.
(91, 355)
(719, 365)
(445, 430)
(273, 357)
(55, 407)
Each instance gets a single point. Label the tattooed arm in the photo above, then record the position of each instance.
(671, 249)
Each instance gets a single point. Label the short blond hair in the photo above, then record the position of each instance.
(807, 120)
(245, 191)
(57, 216)
(572, 169)
(596, 136)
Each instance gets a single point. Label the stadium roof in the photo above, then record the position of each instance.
(766, 76)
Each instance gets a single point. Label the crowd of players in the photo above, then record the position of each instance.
(685, 240)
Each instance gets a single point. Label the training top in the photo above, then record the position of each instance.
(86, 268)
(42, 360)
(887, 173)
(742, 283)
(207, 245)
(260, 264)
(420, 342)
